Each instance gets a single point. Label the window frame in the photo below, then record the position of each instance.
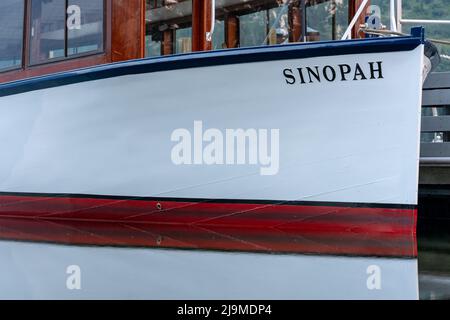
(66, 40)
(23, 55)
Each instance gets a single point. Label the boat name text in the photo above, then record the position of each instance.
(328, 73)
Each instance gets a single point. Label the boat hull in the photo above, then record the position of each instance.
(104, 143)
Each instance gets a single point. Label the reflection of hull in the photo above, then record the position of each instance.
(38, 271)
(262, 240)
(348, 149)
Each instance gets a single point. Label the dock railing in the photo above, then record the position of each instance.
(435, 139)
(435, 146)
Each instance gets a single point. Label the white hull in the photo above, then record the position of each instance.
(340, 141)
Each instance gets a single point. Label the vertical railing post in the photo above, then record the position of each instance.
(393, 20)
(399, 15)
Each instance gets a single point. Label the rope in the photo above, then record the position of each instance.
(444, 56)
(446, 42)
(394, 33)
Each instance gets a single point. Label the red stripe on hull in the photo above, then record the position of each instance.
(307, 217)
(210, 225)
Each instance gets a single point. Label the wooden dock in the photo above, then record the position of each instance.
(435, 144)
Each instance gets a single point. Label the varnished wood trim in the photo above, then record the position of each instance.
(201, 24)
(232, 31)
(128, 30)
(168, 42)
(63, 65)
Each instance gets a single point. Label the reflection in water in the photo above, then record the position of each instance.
(31, 270)
(162, 262)
(189, 236)
(434, 257)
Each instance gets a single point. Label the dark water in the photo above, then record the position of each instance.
(434, 259)
(68, 269)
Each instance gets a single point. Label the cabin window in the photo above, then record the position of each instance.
(244, 23)
(65, 28)
(253, 28)
(265, 27)
(247, 23)
(85, 35)
(218, 39)
(168, 27)
(11, 33)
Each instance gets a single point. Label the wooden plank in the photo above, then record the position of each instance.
(435, 149)
(232, 31)
(434, 98)
(437, 80)
(128, 30)
(436, 124)
(201, 24)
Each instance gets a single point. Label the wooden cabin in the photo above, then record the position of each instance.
(39, 37)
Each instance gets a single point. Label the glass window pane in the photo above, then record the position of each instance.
(11, 33)
(168, 27)
(47, 30)
(279, 25)
(218, 40)
(253, 29)
(245, 23)
(85, 26)
(327, 20)
(153, 41)
(183, 40)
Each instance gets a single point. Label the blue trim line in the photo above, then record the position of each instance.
(213, 58)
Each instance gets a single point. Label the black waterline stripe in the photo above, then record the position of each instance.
(435, 89)
(222, 201)
(255, 251)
